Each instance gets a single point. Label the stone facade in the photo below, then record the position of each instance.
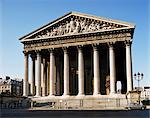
(11, 87)
(145, 92)
(79, 55)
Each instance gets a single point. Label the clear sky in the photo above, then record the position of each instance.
(19, 17)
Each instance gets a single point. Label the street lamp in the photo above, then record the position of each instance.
(138, 77)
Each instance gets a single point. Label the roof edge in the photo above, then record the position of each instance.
(83, 14)
(46, 25)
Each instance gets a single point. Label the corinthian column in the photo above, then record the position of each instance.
(33, 75)
(25, 82)
(66, 72)
(80, 71)
(44, 77)
(52, 64)
(38, 75)
(129, 66)
(112, 69)
(96, 71)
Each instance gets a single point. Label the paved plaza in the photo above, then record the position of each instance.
(75, 113)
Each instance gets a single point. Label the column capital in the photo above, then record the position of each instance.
(37, 51)
(25, 53)
(51, 50)
(128, 42)
(111, 44)
(79, 47)
(33, 56)
(95, 46)
(65, 49)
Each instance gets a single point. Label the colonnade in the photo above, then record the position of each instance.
(81, 59)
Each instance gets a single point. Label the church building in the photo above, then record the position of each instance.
(78, 56)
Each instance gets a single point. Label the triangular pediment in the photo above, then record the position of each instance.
(75, 23)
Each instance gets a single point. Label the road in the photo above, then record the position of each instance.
(75, 114)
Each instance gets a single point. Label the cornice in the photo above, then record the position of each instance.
(79, 35)
(81, 15)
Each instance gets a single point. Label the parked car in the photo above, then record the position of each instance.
(146, 101)
(135, 106)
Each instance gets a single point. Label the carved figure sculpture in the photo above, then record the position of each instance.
(48, 33)
(74, 26)
(104, 26)
(84, 26)
(59, 30)
(63, 29)
(77, 27)
(91, 27)
(97, 25)
(71, 26)
(67, 27)
(53, 32)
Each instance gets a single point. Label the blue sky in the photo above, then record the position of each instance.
(19, 17)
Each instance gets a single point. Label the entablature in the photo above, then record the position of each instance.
(76, 40)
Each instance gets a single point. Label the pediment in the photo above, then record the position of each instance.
(76, 23)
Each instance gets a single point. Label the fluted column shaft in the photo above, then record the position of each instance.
(25, 82)
(58, 81)
(112, 69)
(66, 73)
(33, 75)
(80, 72)
(44, 77)
(129, 67)
(96, 71)
(38, 75)
(52, 64)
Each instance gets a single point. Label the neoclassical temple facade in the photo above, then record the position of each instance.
(78, 55)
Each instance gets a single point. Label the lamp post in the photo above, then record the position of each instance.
(138, 77)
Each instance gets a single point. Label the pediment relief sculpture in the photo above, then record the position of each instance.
(76, 23)
(75, 26)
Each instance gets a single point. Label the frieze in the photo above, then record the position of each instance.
(115, 37)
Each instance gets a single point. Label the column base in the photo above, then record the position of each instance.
(113, 94)
(81, 94)
(43, 95)
(25, 95)
(37, 96)
(32, 95)
(65, 95)
(51, 95)
(96, 94)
